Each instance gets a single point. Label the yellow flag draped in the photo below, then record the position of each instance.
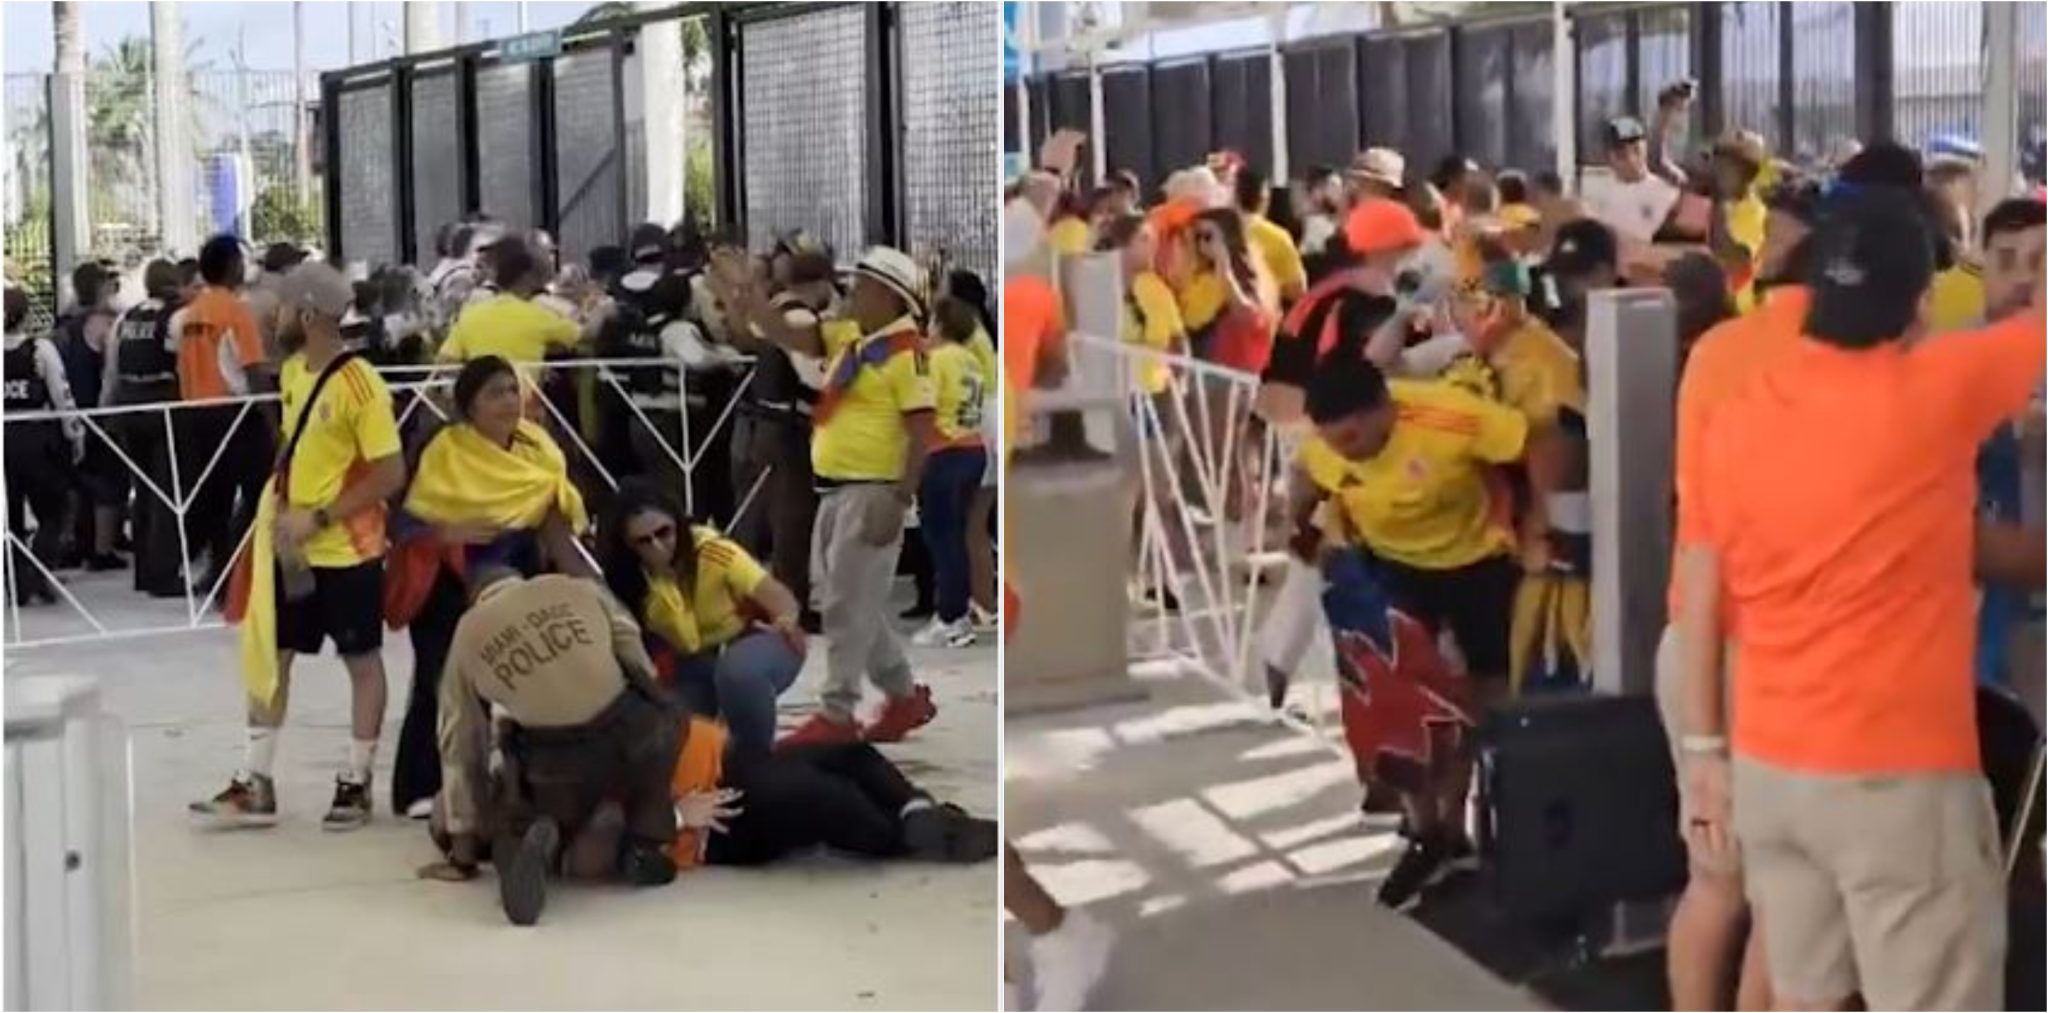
(464, 478)
(259, 619)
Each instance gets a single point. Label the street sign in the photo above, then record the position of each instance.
(531, 46)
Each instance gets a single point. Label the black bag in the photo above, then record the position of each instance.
(1578, 806)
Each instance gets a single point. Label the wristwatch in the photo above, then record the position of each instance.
(1703, 745)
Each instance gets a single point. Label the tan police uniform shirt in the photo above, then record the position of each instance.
(552, 652)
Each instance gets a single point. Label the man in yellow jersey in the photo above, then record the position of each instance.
(510, 324)
(874, 428)
(1406, 464)
(341, 462)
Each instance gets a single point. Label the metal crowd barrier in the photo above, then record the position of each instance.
(49, 626)
(1212, 522)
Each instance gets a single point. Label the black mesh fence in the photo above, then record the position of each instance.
(1242, 105)
(1322, 102)
(369, 225)
(949, 146)
(507, 160)
(803, 127)
(1483, 78)
(436, 154)
(588, 149)
(1127, 125)
(1823, 79)
(1184, 119)
(1532, 140)
(1602, 52)
(1937, 69)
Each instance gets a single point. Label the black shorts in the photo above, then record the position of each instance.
(1475, 602)
(347, 606)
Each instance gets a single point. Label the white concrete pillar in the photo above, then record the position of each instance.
(69, 174)
(422, 26)
(1631, 377)
(2001, 104)
(1097, 132)
(661, 82)
(177, 220)
(1564, 124)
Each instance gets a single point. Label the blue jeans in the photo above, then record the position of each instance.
(950, 479)
(739, 686)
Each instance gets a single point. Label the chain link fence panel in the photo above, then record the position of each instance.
(950, 150)
(803, 127)
(505, 152)
(436, 157)
(368, 233)
(587, 154)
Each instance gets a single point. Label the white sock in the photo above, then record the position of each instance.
(259, 753)
(914, 805)
(362, 756)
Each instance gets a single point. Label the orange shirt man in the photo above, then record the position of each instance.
(1835, 506)
(218, 340)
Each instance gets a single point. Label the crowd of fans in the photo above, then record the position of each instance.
(596, 659)
(1862, 357)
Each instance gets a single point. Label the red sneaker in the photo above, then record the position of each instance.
(821, 729)
(903, 715)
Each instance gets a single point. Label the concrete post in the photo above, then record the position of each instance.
(1631, 374)
(422, 26)
(69, 173)
(1098, 134)
(663, 114)
(2001, 104)
(177, 221)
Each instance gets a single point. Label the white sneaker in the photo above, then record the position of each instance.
(944, 634)
(1069, 961)
(983, 620)
(420, 810)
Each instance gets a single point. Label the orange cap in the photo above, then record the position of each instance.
(1376, 225)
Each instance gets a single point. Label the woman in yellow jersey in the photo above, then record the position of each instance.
(981, 512)
(953, 472)
(728, 636)
(492, 487)
(1151, 320)
(1068, 232)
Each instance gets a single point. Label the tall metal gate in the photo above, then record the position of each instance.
(861, 123)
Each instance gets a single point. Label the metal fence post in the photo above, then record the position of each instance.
(1873, 71)
(470, 186)
(545, 187)
(881, 124)
(1706, 62)
(405, 248)
(727, 144)
(1632, 50)
(330, 129)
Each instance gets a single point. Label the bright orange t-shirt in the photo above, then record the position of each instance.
(1839, 491)
(216, 315)
(1724, 359)
(1033, 325)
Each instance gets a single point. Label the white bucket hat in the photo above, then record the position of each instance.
(896, 270)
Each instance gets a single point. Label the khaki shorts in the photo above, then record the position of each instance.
(1670, 704)
(1886, 885)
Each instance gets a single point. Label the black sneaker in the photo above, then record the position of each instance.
(926, 832)
(1418, 866)
(813, 622)
(945, 833)
(1276, 687)
(1382, 809)
(523, 875)
(351, 808)
(1163, 599)
(647, 866)
(102, 564)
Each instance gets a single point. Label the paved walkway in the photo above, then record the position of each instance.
(1227, 851)
(296, 918)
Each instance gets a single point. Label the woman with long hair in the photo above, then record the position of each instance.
(491, 487)
(1229, 305)
(953, 472)
(727, 636)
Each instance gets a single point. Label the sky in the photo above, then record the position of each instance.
(267, 29)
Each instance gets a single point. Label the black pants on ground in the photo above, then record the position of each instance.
(37, 469)
(628, 749)
(416, 770)
(847, 797)
(777, 525)
(159, 555)
(224, 505)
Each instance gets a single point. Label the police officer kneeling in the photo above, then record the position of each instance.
(564, 662)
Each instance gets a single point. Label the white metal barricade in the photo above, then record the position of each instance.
(1211, 492)
(75, 619)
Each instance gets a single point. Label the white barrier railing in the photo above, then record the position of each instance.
(80, 620)
(1211, 523)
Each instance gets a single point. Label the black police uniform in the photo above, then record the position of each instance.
(146, 373)
(38, 463)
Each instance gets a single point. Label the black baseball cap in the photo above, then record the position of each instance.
(1625, 130)
(281, 257)
(1582, 247)
(649, 243)
(1871, 260)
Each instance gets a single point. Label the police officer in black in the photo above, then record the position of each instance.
(143, 370)
(40, 455)
(652, 322)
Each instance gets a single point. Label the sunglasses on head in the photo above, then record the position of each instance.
(664, 533)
